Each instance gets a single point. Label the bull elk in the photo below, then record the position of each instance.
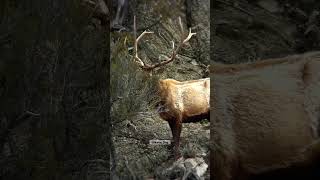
(264, 116)
(181, 102)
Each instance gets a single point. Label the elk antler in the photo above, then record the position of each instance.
(174, 53)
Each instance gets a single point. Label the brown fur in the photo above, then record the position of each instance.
(264, 115)
(183, 102)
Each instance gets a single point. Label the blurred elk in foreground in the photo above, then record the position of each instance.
(181, 102)
(265, 116)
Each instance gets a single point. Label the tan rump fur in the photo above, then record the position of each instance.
(264, 115)
(186, 101)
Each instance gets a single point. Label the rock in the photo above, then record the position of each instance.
(201, 167)
(175, 171)
(190, 163)
(194, 62)
(191, 176)
(190, 168)
(196, 165)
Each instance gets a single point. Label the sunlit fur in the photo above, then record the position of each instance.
(264, 116)
(182, 102)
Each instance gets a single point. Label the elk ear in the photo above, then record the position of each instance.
(161, 84)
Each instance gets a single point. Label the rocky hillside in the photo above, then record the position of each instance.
(244, 31)
(134, 93)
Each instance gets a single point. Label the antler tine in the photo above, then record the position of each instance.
(136, 41)
(141, 63)
(189, 36)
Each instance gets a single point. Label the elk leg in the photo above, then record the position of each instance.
(175, 127)
(173, 130)
(177, 139)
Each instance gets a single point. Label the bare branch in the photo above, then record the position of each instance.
(180, 23)
(32, 113)
(128, 167)
(172, 45)
(134, 27)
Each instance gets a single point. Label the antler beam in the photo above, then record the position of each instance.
(173, 55)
